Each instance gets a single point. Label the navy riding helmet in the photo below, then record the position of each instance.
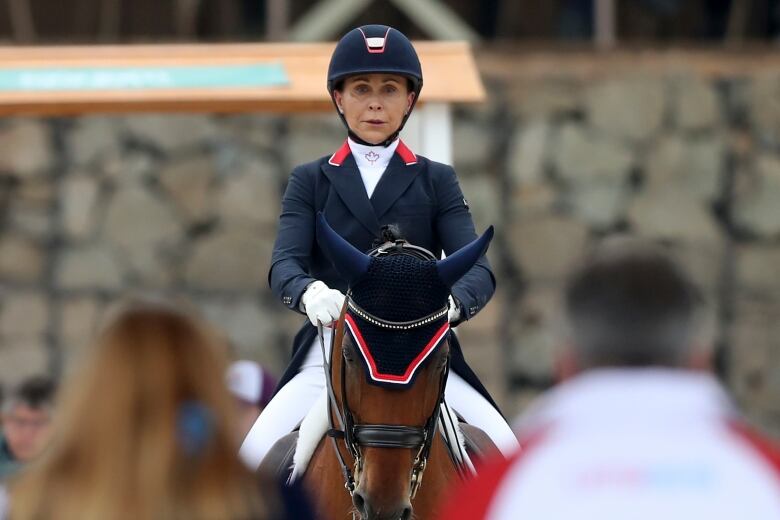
(375, 49)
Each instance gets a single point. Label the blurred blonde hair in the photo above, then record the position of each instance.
(119, 451)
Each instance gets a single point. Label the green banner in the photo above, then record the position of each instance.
(141, 78)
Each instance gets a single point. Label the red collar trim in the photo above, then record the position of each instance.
(406, 154)
(337, 159)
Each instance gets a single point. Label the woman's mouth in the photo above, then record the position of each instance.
(375, 122)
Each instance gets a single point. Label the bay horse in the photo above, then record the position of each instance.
(386, 379)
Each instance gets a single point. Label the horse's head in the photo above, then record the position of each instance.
(389, 363)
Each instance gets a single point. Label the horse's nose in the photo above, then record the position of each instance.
(367, 512)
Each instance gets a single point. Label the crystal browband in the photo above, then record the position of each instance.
(395, 325)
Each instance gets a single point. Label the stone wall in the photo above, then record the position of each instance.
(683, 149)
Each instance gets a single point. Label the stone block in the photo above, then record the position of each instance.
(172, 132)
(546, 98)
(631, 108)
(530, 152)
(484, 200)
(757, 269)
(764, 107)
(695, 105)
(472, 143)
(755, 356)
(21, 259)
(23, 315)
(128, 167)
(93, 267)
(756, 210)
(80, 200)
(547, 247)
(601, 205)
(694, 165)
(533, 341)
(532, 200)
(21, 360)
(235, 259)
(310, 137)
(25, 148)
(138, 220)
(38, 192)
(247, 200)
(669, 214)
(189, 182)
(35, 223)
(586, 156)
(78, 321)
(93, 138)
(249, 327)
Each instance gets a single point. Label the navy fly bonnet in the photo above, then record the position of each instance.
(397, 301)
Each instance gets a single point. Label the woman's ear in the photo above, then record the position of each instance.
(409, 102)
(337, 97)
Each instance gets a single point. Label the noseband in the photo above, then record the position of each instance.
(358, 436)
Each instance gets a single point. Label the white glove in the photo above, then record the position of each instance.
(453, 314)
(322, 303)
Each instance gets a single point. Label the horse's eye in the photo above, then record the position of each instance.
(348, 352)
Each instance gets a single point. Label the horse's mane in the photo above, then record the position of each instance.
(388, 233)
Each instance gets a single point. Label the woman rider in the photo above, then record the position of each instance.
(374, 80)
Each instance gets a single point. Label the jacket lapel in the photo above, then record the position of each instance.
(347, 182)
(394, 182)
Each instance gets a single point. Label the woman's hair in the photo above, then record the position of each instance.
(145, 431)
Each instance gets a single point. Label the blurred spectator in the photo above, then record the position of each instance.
(27, 415)
(145, 431)
(252, 386)
(639, 428)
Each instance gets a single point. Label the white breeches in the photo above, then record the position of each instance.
(293, 401)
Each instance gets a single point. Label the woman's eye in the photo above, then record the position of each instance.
(390, 89)
(361, 89)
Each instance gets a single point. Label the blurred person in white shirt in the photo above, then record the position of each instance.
(252, 387)
(639, 427)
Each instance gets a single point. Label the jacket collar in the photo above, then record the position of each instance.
(342, 171)
(407, 156)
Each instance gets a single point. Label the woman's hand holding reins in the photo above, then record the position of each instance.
(322, 303)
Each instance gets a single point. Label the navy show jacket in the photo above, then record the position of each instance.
(422, 197)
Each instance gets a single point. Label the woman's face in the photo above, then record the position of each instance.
(374, 104)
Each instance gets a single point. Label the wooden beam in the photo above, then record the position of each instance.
(437, 19)
(604, 32)
(277, 18)
(326, 19)
(304, 64)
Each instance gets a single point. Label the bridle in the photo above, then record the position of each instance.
(358, 436)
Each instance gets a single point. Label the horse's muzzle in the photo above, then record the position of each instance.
(367, 512)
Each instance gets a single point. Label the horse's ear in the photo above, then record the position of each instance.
(458, 263)
(349, 261)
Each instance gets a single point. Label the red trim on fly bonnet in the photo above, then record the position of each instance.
(411, 369)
